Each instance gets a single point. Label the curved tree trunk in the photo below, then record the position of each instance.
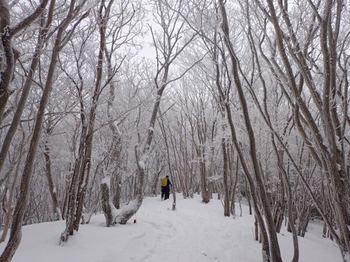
(279, 154)
(275, 250)
(7, 67)
(27, 85)
(82, 167)
(172, 50)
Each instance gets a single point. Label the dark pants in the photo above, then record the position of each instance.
(165, 192)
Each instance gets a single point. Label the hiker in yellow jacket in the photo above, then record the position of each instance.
(165, 183)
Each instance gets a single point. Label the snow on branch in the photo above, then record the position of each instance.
(114, 216)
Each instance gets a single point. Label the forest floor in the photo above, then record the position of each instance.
(195, 232)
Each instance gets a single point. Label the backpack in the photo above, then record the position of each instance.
(164, 181)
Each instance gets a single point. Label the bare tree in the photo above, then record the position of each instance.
(42, 39)
(8, 207)
(321, 131)
(168, 47)
(81, 174)
(8, 53)
(16, 227)
(273, 241)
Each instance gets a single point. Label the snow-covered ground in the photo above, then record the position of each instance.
(195, 232)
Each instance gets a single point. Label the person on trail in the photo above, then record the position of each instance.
(165, 183)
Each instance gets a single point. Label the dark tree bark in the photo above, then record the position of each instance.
(81, 174)
(106, 203)
(275, 250)
(225, 174)
(52, 189)
(8, 208)
(6, 34)
(42, 38)
(325, 137)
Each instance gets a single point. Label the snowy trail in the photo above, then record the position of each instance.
(195, 232)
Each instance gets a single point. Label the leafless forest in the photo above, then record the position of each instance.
(247, 99)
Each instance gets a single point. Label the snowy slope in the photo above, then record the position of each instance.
(195, 232)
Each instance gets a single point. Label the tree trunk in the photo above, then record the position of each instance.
(16, 228)
(284, 176)
(27, 85)
(8, 65)
(225, 171)
(55, 204)
(107, 208)
(233, 190)
(116, 182)
(81, 173)
(275, 250)
(7, 33)
(9, 208)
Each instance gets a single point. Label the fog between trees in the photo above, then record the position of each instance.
(247, 99)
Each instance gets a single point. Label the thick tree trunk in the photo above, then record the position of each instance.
(203, 177)
(107, 207)
(248, 196)
(116, 185)
(234, 187)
